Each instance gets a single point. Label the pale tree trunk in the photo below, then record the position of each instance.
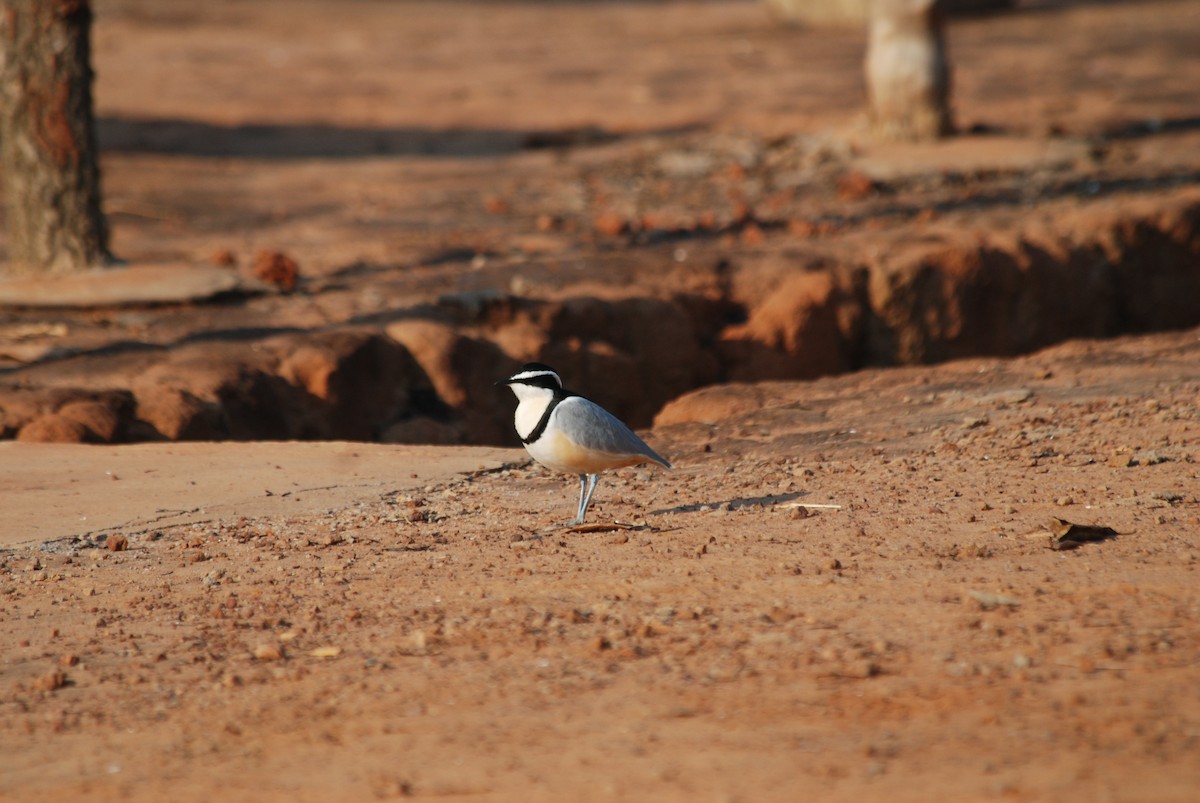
(48, 151)
(908, 77)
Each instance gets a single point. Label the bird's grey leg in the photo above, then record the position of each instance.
(579, 511)
(593, 479)
(587, 486)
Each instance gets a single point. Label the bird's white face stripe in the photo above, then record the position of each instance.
(524, 375)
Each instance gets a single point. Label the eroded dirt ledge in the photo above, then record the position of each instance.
(425, 374)
(657, 198)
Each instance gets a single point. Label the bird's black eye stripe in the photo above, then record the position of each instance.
(547, 381)
(536, 375)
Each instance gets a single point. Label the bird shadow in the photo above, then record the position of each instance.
(734, 504)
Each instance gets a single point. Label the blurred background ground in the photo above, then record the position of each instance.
(654, 197)
(629, 190)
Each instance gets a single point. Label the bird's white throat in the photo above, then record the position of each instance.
(532, 402)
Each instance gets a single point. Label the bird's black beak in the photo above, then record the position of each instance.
(502, 381)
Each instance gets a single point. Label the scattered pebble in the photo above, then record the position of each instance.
(268, 652)
(51, 681)
(326, 652)
(988, 601)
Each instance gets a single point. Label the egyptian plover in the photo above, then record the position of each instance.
(566, 432)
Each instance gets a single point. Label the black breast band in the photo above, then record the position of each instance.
(540, 429)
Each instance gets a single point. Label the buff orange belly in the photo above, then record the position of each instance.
(557, 451)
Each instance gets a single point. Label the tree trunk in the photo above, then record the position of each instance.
(908, 77)
(48, 151)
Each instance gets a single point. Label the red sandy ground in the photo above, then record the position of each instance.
(912, 642)
(904, 640)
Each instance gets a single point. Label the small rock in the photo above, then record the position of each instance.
(861, 669)
(987, 601)
(326, 652)
(51, 681)
(874, 769)
(1013, 396)
(496, 205)
(611, 224)
(1064, 501)
(686, 164)
(223, 258)
(1121, 460)
(277, 268)
(268, 652)
(854, 185)
(116, 543)
(1148, 458)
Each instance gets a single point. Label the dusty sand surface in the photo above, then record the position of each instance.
(54, 491)
(313, 622)
(901, 638)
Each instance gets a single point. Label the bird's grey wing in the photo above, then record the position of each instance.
(590, 425)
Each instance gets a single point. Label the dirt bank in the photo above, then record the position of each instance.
(683, 201)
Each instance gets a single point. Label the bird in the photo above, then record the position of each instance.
(567, 432)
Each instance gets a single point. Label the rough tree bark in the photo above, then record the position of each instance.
(908, 76)
(48, 153)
